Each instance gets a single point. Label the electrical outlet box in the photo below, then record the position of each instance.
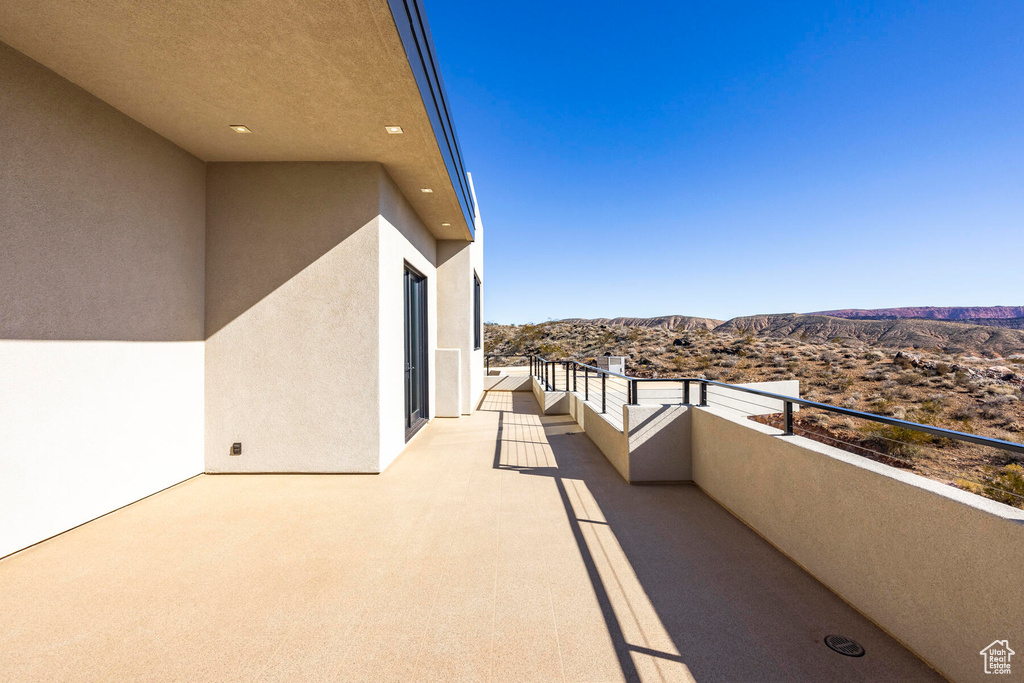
(236, 448)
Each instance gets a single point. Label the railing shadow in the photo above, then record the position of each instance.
(682, 585)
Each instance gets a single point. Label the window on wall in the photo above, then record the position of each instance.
(477, 327)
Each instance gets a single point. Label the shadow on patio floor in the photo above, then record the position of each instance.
(683, 586)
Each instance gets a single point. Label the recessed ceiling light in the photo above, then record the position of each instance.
(446, 225)
(426, 190)
(394, 130)
(239, 128)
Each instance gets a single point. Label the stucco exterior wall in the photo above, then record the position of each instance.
(937, 567)
(305, 309)
(101, 325)
(403, 239)
(292, 316)
(102, 219)
(457, 263)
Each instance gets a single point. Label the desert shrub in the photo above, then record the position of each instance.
(909, 378)
(898, 441)
(1001, 484)
(905, 393)
(943, 368)
(551, 351)
(964, 413)
(882, 406)
(818, 418)
(992, 410)
(873, 356)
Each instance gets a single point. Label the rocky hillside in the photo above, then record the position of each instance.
(954, 337)
(963, 313)
(668, 322)
(904, 333)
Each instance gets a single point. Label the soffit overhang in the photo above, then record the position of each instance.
(315, 80)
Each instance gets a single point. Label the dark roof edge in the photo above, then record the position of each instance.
(411, 21)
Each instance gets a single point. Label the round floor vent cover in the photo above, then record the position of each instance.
(844, 646)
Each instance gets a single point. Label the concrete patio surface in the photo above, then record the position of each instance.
(500, 546)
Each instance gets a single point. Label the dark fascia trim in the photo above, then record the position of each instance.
(411, 21)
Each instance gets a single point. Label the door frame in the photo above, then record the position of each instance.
(422, 367)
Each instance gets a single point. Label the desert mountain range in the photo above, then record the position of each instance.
(994, 316)
(929, 312)
(966, 330)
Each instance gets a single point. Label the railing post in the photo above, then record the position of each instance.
(547, 376)
(686, 392)
(574, 377)
(586, 384)
(703, 393)
(788, 412)
(603, 392)
(487, 364)
(567, 375)
(634, 387)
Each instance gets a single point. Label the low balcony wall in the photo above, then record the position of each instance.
(653, 445)
(936, 567)
(500, 380)
(550, 402)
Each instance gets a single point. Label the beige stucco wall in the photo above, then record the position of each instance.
(305, 313)
(101, 326)
(505, 382)
(456, 266)
(448, 387)
(606, 436)
(102, 219)
(403, 239)
(937, 567)
(457, 262)
(658, 441)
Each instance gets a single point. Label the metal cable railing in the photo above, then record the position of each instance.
(564, 375)
(610, 391)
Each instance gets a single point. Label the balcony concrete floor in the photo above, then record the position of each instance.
(497, 547)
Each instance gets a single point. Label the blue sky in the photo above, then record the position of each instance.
(723, 159)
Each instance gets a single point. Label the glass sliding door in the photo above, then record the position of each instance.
(417, 386)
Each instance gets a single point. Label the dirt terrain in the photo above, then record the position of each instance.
(966, 386)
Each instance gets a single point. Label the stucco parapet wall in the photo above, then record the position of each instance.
(658, 443)
(550, 402)
(505, 382)
(936, 567)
